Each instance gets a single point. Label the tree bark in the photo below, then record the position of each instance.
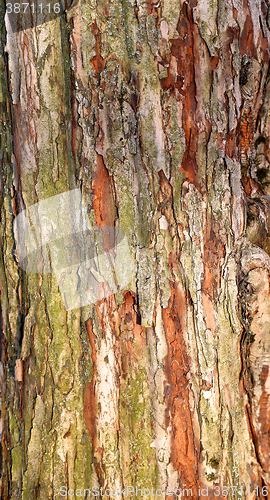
(159, 113)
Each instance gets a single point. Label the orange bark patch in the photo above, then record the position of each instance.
(103, 201)
(183, 51)
(184, 450)
(246, 141)
(153, 7)
(246, 43)
(246, 136)
(97, 61)
(231, 145)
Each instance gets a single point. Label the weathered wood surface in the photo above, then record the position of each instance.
(159, 112)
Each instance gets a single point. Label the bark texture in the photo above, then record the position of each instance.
(160, 113)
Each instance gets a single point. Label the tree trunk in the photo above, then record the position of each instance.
(159, 113)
